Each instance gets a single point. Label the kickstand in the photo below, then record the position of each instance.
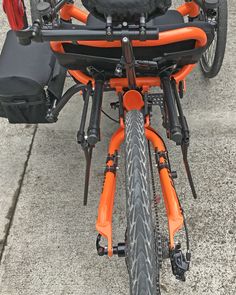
(88, 152)
(185, 139)
(88, 149)
(184, 148)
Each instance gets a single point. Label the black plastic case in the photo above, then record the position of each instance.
(30, 81)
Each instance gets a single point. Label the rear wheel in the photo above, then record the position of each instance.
(213, 57)
(142, 260)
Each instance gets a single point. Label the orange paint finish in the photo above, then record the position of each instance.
(81, 77)
(191, 9)
(147, 121)
(133, 100)
(183, 73)
(105, 209)
(140, 81)
(57, 46)
(70, 10)
(174, 214)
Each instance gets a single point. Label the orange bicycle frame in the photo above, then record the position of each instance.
(174, 214)
(132, 100)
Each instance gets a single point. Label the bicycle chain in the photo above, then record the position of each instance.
(157, 233)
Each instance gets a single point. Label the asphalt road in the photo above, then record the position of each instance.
(49, 236)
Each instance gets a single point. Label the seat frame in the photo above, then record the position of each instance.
(78, 56)
(170, 35)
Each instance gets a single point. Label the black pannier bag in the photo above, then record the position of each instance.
(127, 10)
(31, 81)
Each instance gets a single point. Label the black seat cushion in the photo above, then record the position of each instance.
(126, 10)
(80, 57)
(172, 17)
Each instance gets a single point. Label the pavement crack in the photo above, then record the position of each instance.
(12, 209)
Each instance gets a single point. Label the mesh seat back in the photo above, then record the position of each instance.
(127, 10)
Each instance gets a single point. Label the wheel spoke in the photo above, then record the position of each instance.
(208, 57)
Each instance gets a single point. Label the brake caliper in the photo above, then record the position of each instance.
(179, 262)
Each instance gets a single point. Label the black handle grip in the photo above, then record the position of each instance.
(94, 124)
(175, 127)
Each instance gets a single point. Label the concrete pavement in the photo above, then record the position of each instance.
(49, 237)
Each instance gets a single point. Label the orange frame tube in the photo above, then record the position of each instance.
(173, 210)
(105, 209)
(70, 10)
(190, 8)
